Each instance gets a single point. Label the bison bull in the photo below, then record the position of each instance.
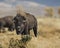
(7, 22)
(24, 24)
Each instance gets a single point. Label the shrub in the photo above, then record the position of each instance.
(25, 39)
(1, 46)
(15, 43)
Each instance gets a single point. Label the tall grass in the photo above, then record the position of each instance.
(1, 46)
(19, 43)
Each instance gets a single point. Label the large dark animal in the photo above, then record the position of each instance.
(7, 22)
(24, 24)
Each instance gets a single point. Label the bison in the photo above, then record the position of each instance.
(7, 22)
(24, 24)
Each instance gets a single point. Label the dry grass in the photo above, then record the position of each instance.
(48, 35)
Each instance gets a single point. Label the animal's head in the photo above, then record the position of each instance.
(20, 22)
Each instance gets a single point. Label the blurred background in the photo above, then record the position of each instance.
(40, 8)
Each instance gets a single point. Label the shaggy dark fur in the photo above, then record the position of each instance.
(24, 24)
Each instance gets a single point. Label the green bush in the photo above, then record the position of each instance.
(1, 46)
(15, 43)
(25, 39)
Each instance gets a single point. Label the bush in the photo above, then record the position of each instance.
(25, 39)
(15, 43)
(1, 46)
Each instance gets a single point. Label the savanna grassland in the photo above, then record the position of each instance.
(48, 36)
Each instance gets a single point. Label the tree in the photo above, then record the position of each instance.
(59, 10)
(49, 11)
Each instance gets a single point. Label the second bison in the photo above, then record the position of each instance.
(7, 22)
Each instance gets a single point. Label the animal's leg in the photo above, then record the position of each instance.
(3, 30)
(0, 31)
(29, 32)
(26, 33)
(17, 32)
(26, 30)
(35, 31)
(10, 29)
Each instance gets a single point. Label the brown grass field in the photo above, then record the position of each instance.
(48, 35)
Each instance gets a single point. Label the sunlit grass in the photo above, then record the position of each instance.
(48, 35)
